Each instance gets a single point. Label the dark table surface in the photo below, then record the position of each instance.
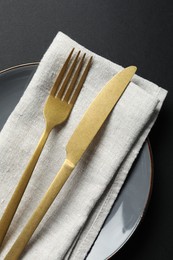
(127, 32)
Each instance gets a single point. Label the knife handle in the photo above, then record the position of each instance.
(40, 211)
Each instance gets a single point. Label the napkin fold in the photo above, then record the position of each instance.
(83, 204)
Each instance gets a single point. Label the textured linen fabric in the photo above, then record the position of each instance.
(75, 214)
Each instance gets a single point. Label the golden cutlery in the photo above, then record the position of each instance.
(89, 125)
(56, 110)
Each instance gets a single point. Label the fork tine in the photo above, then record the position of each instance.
(82, 79)
(61, 74)
(65, 83)
(73, 82)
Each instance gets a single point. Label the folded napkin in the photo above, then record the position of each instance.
(74, 220)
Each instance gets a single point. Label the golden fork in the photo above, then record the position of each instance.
(57, 108)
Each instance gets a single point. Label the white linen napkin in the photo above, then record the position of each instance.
(76, 212)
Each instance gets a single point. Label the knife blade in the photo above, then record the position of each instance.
(96, 114)
(83, 135)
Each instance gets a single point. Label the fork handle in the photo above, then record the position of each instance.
(21, 186)
(40, 211)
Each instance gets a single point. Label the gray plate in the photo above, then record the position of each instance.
(130, 206)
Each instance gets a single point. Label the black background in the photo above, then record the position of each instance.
(137, 32)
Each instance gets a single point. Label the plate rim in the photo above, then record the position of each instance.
(28, 64)
(141, 217)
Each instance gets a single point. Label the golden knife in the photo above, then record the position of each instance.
(88, 127)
